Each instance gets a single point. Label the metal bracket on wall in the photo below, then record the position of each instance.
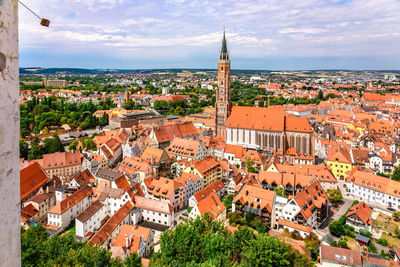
(2, 61)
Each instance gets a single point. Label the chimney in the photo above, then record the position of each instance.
(127, 242)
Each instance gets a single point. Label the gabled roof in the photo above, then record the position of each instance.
(62, 159)
(214, 187)
(168, 132)
(84, 177)
(340, 255)
(72, 200)
(362, 211)
(90, 211)
(153, 205)
(211, 204)
(207, 164)
(152, 154)
(256, 198)
(106, 230)
(268, 119)
(31, 179)
(310, 197)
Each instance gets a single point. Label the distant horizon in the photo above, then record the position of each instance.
(213, 69)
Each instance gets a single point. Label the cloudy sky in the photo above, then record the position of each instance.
(269, 34)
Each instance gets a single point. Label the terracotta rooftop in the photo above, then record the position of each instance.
(71, 201)
(106, 230)
(31, 179)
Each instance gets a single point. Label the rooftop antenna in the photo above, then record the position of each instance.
(44, 22)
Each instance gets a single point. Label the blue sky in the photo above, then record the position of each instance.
(269, 34)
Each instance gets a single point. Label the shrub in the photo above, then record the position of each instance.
(334, 243)
(382, 242)
(365, 233)
(336, 228)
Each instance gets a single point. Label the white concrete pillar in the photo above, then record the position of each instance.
(10, 248)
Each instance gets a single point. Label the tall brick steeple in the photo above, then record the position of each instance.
(223, 98)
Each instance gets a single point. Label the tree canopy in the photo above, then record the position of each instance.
(204, 242)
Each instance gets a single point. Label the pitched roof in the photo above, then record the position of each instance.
(293, 225)
(206, 165)
(72, 200)
(152, 154)
(153, 205)
(108, 174)
(238, 151)
(106, 230)
(90, 211)
(298, 124)
(84, 177)
(214, 187)
(362, 211)
(168, 132)
(256, 197)
(163, 187)
(31, 179)
(62, 159)
(312, 196)
(340, 255)
(211, 204)
(28, 212)
(134, 233)
(272, 119)
(183, 147)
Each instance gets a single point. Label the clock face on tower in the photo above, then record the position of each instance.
(221, 91)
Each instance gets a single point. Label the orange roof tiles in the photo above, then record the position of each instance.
(312, 196)
(168, 132)
(153, 205)
(31, 179)
(214, 187)
(106, 230)
(257, 118)
(62, 159)
(72, 200)
(362, 211)
(296, 226)
(212, 205)
(298, 124)
(256, 197)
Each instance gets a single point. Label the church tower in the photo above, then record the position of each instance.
(223, 98)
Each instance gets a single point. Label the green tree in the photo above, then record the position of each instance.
(280, 191)
(266, 251)
(396, 215)
(396, 174)
(129, 105)
(35, 152)
(133, 260)
(334, 195)
(89, 144)
(228, 201)
(23, 149)
(250, 166)
(73, 145)
(336, 228)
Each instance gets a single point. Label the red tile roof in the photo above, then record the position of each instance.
(362, 211)
(62, 159)
(72, 200)
(211, 204)
(256, 197)
(271, 119)
(31, 179)
(106, 230)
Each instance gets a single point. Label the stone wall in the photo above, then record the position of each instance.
(10, 251)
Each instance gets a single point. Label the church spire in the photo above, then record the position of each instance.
(224, 55)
